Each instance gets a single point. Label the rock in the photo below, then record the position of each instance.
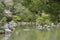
(7, 31)
(48, 27)
(8, 13)
(40, 27)
(2, 32)
(6, 26)
(13, 23)
(58, 25)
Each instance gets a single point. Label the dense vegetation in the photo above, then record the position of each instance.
(30, 10)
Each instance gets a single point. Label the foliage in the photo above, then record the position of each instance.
(26, 10)
(44, 18)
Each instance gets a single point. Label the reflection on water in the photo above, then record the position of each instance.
(6, 37)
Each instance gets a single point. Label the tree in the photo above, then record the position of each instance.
(28, 9)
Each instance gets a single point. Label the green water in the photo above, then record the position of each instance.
(35, 34)
(1, 36)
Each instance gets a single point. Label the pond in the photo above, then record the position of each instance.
(34, 34)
